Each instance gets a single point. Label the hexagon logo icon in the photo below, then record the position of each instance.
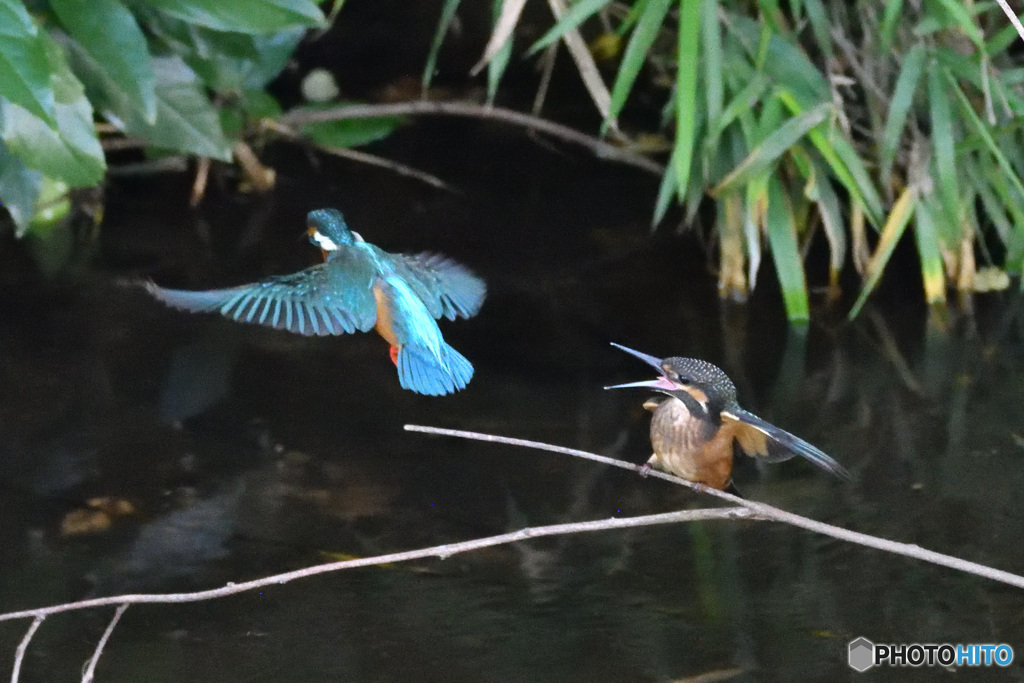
(861, 655)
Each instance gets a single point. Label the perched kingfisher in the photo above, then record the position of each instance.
(358, 287)
(698, 424)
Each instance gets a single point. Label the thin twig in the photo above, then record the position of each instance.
(90, 670)
(762, 511)
(601, 149)
(441, 551)
(362, 157)
(19, 655)
(1012, 16)
(394, 166)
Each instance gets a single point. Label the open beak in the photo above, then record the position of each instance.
(662, 383)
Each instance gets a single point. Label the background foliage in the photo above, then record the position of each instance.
(857, 120)
(839, 117)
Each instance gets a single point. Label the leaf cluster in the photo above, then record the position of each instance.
(848, 118)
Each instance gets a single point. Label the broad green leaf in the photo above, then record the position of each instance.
(891, 233)
(251, 16)
(577, 14)
(186, 121)
(773, 146)
(944, 154)
(109, 32)
(786, 253)
(636, 53)
(19, 189)
(70, 153)
(24, 69)
(347, 132)
(498, 61)
(444, 23)
(686, 89)
(933, 274)
(226, 62)
(899, 108)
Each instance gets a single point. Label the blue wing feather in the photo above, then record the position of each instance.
(329, 298)
(781, 445)
(447, 288)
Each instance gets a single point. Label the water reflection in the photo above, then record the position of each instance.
(247, 451)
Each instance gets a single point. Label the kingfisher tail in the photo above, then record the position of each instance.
(425, 373)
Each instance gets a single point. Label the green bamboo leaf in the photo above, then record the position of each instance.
(899, 108)
(636, 53)
(24, 70)
(577, 14)
(890, 22)
(71, 152)
(742, 102)
(686, 89)
(820, 26)
(773, 146)
(667, 189)
(820, 190)
(251, 16)
(714, 79)
(109, 32)
(444, 23)
(962, 18)
(498, 59)
(944, 154)
(983, 132)
(844, 162)
(786, 253)
(891, 233)
(933, 274)
(506, 16)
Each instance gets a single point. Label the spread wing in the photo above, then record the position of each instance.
(329, 298)
(446, 287)
(763, 440)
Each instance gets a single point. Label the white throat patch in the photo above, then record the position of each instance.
(324, 242)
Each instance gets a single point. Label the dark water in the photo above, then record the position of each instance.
(247, 452)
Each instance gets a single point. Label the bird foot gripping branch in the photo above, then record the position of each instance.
(697, 427)
(360, 287)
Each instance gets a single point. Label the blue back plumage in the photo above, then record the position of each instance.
(426, 363)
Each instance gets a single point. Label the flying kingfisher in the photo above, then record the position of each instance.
(359, 287)
(698, 424)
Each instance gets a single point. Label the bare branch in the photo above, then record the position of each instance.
(19, 656)
(761, 510)
(601, 149)
(441, 551)
(90, 669)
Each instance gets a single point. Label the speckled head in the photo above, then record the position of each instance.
(327, 229)
(704, 382)
(693, 375)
